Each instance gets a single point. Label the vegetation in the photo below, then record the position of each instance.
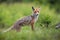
(44, 28)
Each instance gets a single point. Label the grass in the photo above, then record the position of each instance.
(40, 34)
(10, 13)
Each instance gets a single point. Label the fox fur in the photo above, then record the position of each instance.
(27, 20)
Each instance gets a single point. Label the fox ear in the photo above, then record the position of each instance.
(33, 8)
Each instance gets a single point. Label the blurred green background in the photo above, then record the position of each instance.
(12, 10)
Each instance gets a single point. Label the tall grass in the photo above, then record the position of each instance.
(10, 13)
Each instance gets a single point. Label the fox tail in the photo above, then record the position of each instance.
(7, 29)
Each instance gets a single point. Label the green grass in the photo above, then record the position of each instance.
(40, 34)
(10, 13)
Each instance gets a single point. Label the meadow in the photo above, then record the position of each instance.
(12, 12)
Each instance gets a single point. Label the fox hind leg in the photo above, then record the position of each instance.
(17, 28)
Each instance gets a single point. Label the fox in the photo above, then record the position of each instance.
(27, 20)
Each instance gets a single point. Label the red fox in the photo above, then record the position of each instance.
(27, 20)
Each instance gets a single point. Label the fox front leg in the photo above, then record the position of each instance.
(32, 24)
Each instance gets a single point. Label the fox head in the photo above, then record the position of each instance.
(35, 11)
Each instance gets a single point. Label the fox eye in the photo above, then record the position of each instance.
(38, 11)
